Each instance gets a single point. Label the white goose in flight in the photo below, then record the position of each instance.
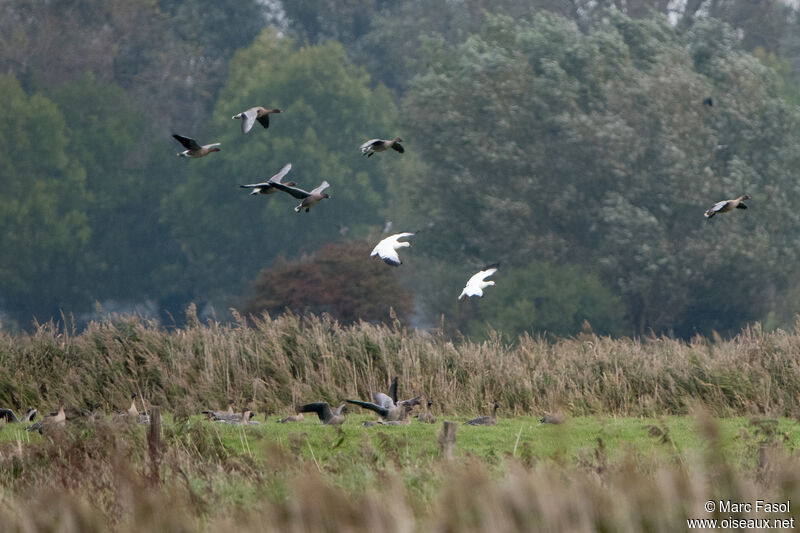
(477, 283)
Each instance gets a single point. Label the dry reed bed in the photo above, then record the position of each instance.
(292, 359)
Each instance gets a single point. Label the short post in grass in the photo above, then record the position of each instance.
(447, 439)
(154, 443)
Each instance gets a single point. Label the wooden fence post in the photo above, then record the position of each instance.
(447, 439)
(154, 444)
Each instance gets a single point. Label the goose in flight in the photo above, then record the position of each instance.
(323, 410)
(267, 187)
(250, 116)
(727, 205)
(387, 248)
(485, 420)
(379, 145)
(193, 149)
(476, 283)
(308, 198)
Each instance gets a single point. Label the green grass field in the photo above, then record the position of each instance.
(212, 473)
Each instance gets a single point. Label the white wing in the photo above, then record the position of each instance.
(388, 254)
(481, 276)
(322, 186)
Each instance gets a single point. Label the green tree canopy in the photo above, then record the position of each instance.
(545, 142)
(43, 206)
(542, 298)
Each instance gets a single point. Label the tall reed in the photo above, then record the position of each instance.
(290, 359)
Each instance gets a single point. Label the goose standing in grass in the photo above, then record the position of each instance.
(727, 205)
(52, 420)
(250, 116)
(551, 418)
(267, 187)
(427, 417)
(379, 145)
(9, 416)
(292, 418)
(392, 414)
(485, 420)
(133, 414)
(308, 198)
(193, 149)
(387, 248)
(477, 283)
(324, 412)
(238, 419)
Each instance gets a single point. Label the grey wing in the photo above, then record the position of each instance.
(322, 186)
(718, 206)
(248, 119)
(294, 191)
(382, 400)
(281, 173)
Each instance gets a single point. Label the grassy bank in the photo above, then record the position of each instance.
(279, 362)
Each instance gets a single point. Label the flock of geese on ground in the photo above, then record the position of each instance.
(390, 411)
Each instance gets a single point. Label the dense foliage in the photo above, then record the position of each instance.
(570, 135)
(336, 280)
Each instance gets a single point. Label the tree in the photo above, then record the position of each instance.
(128, 250)
(43, 218)
(340, 279)
(595, 149)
